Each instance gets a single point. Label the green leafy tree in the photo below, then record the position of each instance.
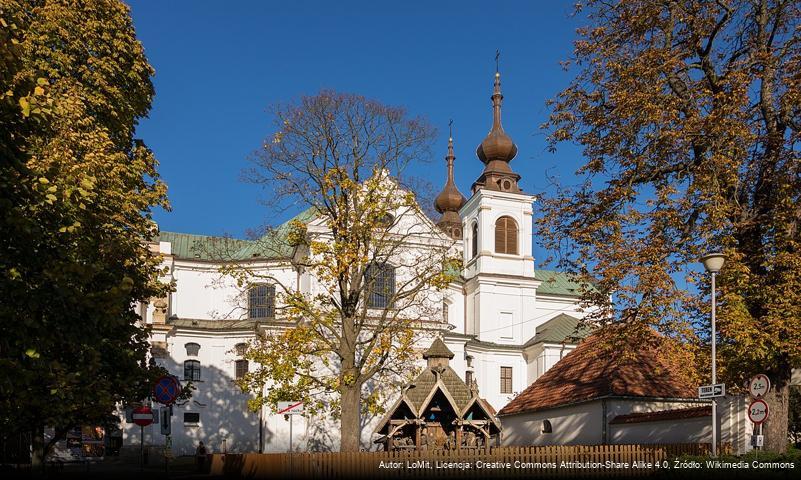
(689, 115)
(76, 191)
(348, 342)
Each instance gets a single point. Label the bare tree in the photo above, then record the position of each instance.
(373, 261)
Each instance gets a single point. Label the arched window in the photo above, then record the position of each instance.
(380, 285)
(546, 426)
(506, 236)
(240, 348)
(191, 370)
(192, 349)
(474, 241)
(261, 302)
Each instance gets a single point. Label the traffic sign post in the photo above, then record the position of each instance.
(712, 391)
(759, 386)
(758, 411)
(166, 389)
(291, 409)
(142, 416)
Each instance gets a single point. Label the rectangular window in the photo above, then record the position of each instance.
(191, 418)
(380, 285)
(468, 378)
(241, 368)
(506, 379)
(192, 370)
(445, 312)
(261, 302)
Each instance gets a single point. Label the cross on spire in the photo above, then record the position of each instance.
(497, 61)
(450, 128)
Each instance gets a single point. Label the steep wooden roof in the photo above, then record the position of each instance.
(420, 389)
(591, 371)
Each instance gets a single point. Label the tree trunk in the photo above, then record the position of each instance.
(37, 449)
(775, 427)
(350, 430)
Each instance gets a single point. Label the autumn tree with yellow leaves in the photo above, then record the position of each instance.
(689, 115)
(366, 248)
(76, 193)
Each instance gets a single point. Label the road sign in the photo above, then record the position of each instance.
(143, 416)
(758, 411)
(166, 389)
(166, 420)
(759, 386)
(290, 408)
(712, 391)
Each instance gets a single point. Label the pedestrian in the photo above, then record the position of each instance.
(200, 457)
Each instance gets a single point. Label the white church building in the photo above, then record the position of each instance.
(506, 321)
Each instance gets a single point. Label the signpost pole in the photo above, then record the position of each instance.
(714, 375)
(141, 447)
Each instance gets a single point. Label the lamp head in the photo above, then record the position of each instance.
(713, 262)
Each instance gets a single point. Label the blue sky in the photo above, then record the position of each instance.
(219, 65)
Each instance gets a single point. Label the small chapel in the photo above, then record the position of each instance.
(439, 411)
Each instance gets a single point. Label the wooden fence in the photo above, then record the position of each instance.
(522, 462)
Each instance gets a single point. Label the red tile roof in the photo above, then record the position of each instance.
(677, 414)
(592, 371)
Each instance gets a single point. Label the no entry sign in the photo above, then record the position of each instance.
(143, 416)
(758, 411)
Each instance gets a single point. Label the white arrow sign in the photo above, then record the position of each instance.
(712, 391)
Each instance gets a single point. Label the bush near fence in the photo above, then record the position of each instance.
(594, 460)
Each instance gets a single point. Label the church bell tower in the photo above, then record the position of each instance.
(497, 225)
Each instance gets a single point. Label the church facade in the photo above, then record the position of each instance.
(504, 321)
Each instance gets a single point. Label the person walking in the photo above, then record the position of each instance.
(200, 457)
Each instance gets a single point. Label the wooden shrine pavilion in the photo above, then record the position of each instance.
(439, 411)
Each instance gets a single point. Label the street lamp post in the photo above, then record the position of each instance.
(713, 262)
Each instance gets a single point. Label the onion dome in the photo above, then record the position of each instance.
(450, 200)
(496, 151)
(497, 145)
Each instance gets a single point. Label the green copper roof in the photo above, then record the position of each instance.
(556, 283)
(560, 329)
(272, 245)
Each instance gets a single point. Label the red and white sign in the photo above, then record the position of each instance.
(290, 408)
(758, 411)
(759, 386)
(143, 416)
